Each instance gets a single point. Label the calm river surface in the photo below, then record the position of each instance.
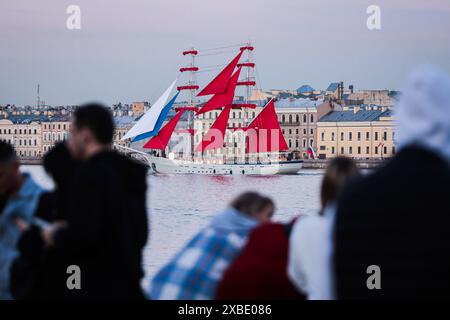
(179, 205)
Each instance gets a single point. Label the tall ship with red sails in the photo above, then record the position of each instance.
(265, 146)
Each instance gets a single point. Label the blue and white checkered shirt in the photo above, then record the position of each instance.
(194, 273)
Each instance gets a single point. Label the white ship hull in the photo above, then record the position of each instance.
(168, 166)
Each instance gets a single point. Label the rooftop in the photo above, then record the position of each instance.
(350, 116)
(297, 103)
(27, 118)
(305, 89)
(333, 86)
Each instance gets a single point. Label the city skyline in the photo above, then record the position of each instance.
(130, 51)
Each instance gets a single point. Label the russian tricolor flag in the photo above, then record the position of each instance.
(311, 152)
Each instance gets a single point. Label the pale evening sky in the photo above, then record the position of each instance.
(130, 50)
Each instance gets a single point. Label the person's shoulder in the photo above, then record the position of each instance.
(267, 228)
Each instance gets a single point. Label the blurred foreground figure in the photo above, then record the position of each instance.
(196, 270)
(105, 221)
(310, 244)
(259, 272)
(398, 218)
(20, 197)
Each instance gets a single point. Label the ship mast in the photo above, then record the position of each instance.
(249, 80)
(192, 87)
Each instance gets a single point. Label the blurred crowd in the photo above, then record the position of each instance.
(378, 235)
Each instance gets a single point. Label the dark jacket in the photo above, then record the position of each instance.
(107, 231)
(260, 271)
(62, 167)
(397, 218)
(29, 270)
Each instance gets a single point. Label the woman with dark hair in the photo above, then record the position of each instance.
(308, 262)
(195, 272)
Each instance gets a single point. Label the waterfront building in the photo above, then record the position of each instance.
(54, 129)
(24, 135)
(122, 125)
(33, 134)
(360, 133)
(234, 149)
(298, 118)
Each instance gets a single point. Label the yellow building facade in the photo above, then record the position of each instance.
(358, 134)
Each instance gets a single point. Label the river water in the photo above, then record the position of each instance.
(180, 205)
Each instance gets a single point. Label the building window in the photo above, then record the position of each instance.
(332, 150)
(290, 118)
(304, 118)
(297, 119)
(304, 131)
(296, 131)
(283, 119)
(359, 150)
(367, 150)
(312, 118)
(367, 136)
(322, 136)
(342, 136)
(393, 136)
(350, 136)
(290, 131)
(393, 150)
(342, 150)
(385, 150)
(311, 142)
(290, 143)
(350, 150)
(312, 131)
(332, 136)
(304, 143)
(376, 150)
(376, 136)
(296, 143)
(359, 136)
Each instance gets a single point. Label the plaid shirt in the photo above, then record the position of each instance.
(195, 272)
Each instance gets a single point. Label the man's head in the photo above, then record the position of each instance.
(92, 130)
(10, 177)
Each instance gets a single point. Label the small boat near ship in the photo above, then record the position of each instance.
(264, 140)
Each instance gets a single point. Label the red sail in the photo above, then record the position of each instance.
(214, 137)
(219, 83)
(220, 100)
(161, 140)
(264, 132)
